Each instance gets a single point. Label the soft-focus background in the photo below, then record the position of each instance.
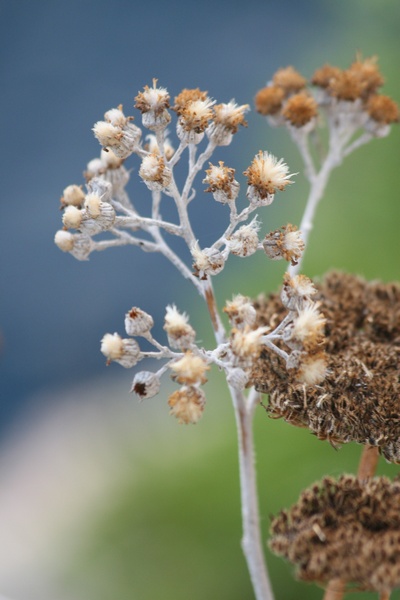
(101, 497)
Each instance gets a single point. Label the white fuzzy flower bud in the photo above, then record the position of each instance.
(237, 378)
(240, 311)
(265, 176)
(244, 241)
(190, 369)
(146, 384)
(154, 172)
(208, 261)
(308, 326)
(246, 343)
(117, 133)
(225, 122)
(222, 183)
(72, 217)
(72, 196)
(286, 242)
(138, 322)
(126, 352)
(153, 103)
(187, 404)
(64, 240)
(313, 369)
(78, 245)
(110, 169)
(180, 333)
(296, 291)
(101, 212)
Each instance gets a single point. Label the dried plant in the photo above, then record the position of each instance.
(328, 365)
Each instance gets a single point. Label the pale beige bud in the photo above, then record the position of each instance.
(190, 369)
(72, 217)
(153, 104)
(180, 333)
(222, 183)
(154, 172)
(208, 261)
(313, 369)
(64, 240)
(138, 322)
(240, 311)
(296, 291)
(187, 404)
(244, 241)
(126, 352)
(73, 195)
(246, 343)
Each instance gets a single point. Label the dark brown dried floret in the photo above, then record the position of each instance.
(359, 399)
(346, 529)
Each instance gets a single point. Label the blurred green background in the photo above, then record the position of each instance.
(105, 498)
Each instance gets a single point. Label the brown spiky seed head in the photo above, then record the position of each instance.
(188, 95)
(268, 100)
(383, 109)
(289, 80)
(300, 109)
(343, 529)
(187, 404)
(323, 76)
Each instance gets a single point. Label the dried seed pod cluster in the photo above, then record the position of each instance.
(359, 399)
(343, 529)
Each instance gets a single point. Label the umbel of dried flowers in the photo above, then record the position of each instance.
(359, 398)
(346, 529)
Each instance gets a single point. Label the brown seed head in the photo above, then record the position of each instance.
(268, 101)
(325, 75)
(188, 96)
(383, 109)
(300, 109)
(289, 80)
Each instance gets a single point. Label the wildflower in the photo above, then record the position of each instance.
(268, 100)
(126, 352)
(73, 195)
(146, 384)
(285, 242)
(225, 122)
(208, 261)
(358, 399)
(117, 133)
(296, 291)
(154, 172)
(265, 176)
(187, 404)
(244, 241)
(325, 75)
(343, 529)
(72, 217)
(368, 73)
(180, 333)
(193, 120)
(289, 80)
(187, 96)
(382, 109)
(300, 109)
(153, 103)
(138, 322)
(222, 183)
(79, 245)
(240, 311)
(190, 369)
(102, 212)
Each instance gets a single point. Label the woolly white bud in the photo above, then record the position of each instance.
(225, 122)
(78, 245)
(100, 216)
(138, 322)
(190, 369)
(146, 384)
(72, 195)
(222, 183)
(237, 378)
(180, 333)
(154, 172)
(153, 103)
(265, 176)
(244, 241)
(64, 240)
(240, 311)
(208, 261)
(126, 352)
(117, 133)
(72, 217)
(296, 291)
(313, 369)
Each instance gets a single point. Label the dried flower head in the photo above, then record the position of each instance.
(153, 103)
(289, 80)
(190, 369)
(138, 322)
(186, 96)
(286, 243)
(187, 404)
(117, 133)
(244, 241)
(222, 183)
(368, 72)
(383, 109)
(300, 109)
(323, 76)
(296, 291)
(208, 261)
(126, 352)
(246, 342)
(156, 175)
(180, 333)
(226, 121)
(146, 384)
(79, 245)
(73, 195)
(268, 100)
(266, 175)
(343, 529)
(359, 399)
(240, 311)
(195, 115)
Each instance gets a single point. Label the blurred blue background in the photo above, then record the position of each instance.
(169, 527)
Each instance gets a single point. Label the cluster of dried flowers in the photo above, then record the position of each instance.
(328, 355)
(107, 208)
(344, 529)
(288, 99)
